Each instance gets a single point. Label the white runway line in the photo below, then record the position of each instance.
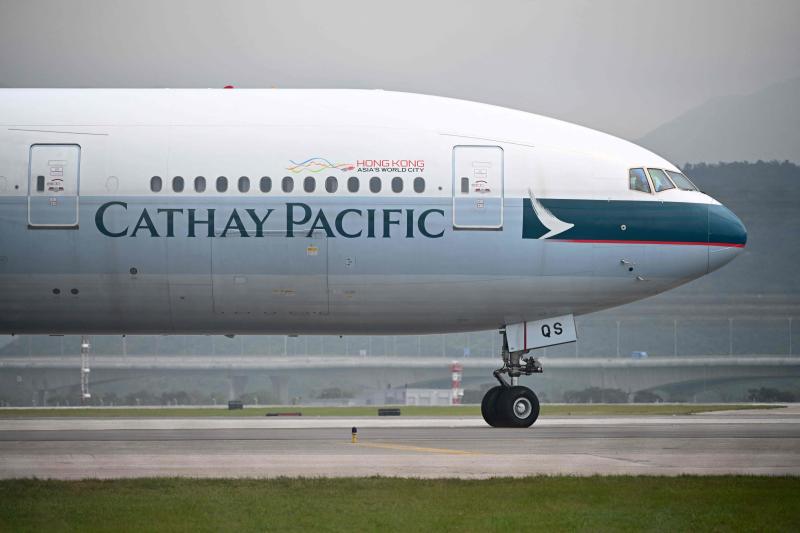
(98, 424)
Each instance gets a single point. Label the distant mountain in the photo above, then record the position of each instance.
(764, 125)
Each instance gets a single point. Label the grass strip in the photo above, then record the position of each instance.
(618, 503)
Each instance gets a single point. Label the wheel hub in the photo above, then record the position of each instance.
(522, 408)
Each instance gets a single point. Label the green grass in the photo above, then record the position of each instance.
(459, 410)
(724, 503)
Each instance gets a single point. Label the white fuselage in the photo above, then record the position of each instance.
(314, 211)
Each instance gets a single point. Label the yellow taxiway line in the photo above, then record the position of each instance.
(406, 447)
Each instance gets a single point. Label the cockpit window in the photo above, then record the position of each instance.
(660, 180)
(638, 180)
(681, 181)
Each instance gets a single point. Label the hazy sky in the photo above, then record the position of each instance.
(619, 66)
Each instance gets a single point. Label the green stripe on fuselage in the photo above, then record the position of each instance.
(618, 220)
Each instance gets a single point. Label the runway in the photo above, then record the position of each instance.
(751, 442)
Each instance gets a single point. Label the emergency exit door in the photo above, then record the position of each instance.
(477, 187)
(53, 180)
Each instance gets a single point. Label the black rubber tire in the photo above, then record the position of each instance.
(517, 397)
(489, 406)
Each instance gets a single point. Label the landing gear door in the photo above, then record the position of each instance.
(53, 179)
(478, 187)
(526, 336)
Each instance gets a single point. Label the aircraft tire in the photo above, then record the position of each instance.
(517, 406)
(489, 406)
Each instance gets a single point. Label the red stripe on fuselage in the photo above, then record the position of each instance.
(679, 243)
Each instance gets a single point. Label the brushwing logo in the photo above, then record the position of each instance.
(538, 222)
(318, 164)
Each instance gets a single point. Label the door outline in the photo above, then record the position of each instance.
(456, 188)
(68, 225)
(273, 298)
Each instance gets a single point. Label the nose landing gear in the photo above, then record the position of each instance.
(510, 404)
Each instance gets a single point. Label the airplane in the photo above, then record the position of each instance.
(219, 211)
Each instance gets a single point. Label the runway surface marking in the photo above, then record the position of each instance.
(406, 447)
(751, 443)
(67, 424)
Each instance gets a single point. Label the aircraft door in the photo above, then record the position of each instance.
(53, 179)
(477, 187)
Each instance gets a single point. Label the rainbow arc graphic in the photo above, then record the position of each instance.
(318, 164)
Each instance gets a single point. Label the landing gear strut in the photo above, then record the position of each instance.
(510, 404)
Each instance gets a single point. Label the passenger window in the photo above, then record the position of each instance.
(265, 184)
(331, 184)
(244, 184)
(638, 180)
(177, 184)
(222, 184)
(352, 184)
(375, 184)
(397, 184)
(287, 185)
(155, 184)
(681, 181)
(200, 184)
(309, 184)
(419, 185)
(660, 180)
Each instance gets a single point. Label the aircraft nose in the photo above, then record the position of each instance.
(727, 236)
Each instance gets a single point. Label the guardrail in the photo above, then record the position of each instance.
(209, 362)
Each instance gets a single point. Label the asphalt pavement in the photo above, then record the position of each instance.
(744, 442)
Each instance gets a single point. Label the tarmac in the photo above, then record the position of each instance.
(737, 442)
